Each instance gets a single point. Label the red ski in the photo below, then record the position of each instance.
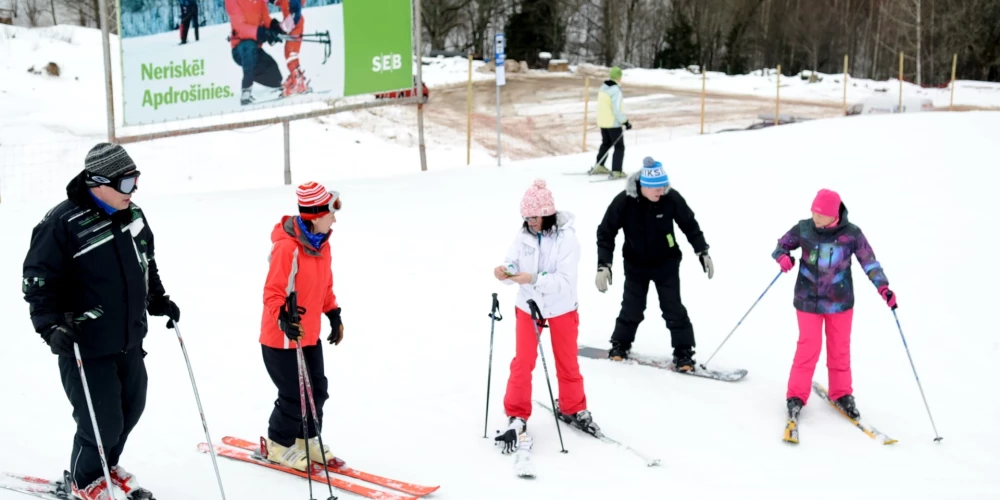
(318, 473)
(336, 467)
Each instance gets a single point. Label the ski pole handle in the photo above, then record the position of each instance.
(536, 314)
(495, 309)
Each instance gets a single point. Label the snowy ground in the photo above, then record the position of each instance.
(412, 260)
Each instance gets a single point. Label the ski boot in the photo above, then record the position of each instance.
(598, 169)
(619, 350)
(318, 456)
(97, 490)
(581, 420)
(296, 83)
(794, 407)
(684, 359)
(293, 456)
(246, 97)
(616, 174)
(510, 438)
(846, 405)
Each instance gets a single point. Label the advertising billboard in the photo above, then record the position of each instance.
(185, 59)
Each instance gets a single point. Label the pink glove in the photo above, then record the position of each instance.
(888, 296)
(786, 263)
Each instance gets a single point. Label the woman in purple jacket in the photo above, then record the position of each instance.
(824, 293)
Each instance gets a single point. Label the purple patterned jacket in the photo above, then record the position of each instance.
(824, 284)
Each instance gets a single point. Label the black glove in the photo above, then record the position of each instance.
(628, 126)
(336, 327)
(163, 306)
(291, 330)
(60, 338)
(269, 34)
(508, 439)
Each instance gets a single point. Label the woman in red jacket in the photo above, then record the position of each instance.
(299, 262)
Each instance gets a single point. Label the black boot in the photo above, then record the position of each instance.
(684, 359)
(794, 407)
(619, 350)
(846, 404)
(581, 420)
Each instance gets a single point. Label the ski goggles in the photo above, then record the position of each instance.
(332, 206)
(124, 184)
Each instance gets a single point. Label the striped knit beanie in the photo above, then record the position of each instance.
(652, 174)
(108, 161)
(315, 201)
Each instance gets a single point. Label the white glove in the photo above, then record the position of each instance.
(603, 278)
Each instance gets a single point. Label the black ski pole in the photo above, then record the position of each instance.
(315, 417)
(494, 317)
(536, 318)
(745, 316)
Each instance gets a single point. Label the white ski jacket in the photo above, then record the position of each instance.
(553, 260)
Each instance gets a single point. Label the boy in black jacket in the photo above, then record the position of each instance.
(646, 211)
(89, 279)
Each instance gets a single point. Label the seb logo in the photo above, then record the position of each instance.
(387, 63)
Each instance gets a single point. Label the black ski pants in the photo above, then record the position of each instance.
(117, 386)
(189, 16)
(608, 137)
(257, 65)
(666, 279)
(282, 365)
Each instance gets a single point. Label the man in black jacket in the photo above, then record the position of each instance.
(90, 278)
(646, 211)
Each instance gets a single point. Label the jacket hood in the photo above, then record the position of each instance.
(841, 224)
(632, 185)
(288, 229)
(610, 83)
(78, 192)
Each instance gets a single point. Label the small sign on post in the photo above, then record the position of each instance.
(499, 59)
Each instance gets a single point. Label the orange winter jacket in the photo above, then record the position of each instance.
(244, 18)
(295, 264)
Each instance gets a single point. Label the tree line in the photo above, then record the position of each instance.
(734, 36)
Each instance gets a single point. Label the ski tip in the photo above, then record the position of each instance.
(653, 463)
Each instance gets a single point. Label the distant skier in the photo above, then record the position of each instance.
(300, 261)
(252, 26)
(189, 16)
(293, 23)
(611, 119)
(543, 260)
(90, 277)
(646, 210)
(824, 294)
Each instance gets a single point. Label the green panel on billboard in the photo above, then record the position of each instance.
(378, 46)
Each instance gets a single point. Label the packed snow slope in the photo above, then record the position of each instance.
(412, 260)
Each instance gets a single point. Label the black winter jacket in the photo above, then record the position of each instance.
(648, 227)
(92, 268)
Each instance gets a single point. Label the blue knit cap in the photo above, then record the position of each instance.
(652, 175)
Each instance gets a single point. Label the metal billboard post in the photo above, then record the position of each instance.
(499, 58)
(419, 90)
(102, 18)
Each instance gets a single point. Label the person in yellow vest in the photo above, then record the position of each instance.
(611, 118)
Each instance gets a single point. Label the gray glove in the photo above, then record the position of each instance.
(603, 278)
(706, 264)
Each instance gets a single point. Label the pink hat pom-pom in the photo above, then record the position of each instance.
(539, 184)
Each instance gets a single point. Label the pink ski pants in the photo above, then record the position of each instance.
(838, 354)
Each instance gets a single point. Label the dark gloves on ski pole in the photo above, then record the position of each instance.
(336, 327)
(163, 306)
(60, 337)
(628, 126)
(290, 326)
(706, 264)
(270, 34)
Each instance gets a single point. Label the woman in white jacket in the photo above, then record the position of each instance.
(543, 261)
